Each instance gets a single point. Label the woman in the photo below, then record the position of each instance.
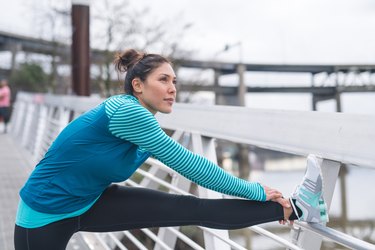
(71, 188)
(5, 108)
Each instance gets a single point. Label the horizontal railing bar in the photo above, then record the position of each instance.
(228, 241)
(117, 242)
(101, 241)
(263, 128)
(185, 239)
(337, 236)
(162, 182)
(132, 183)
(160, 165)
(274, 237)
(342, 137)
(155, 238)
(135, 241)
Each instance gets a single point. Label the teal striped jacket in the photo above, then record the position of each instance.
(107, 144)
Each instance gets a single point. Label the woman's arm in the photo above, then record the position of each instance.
(134, 123)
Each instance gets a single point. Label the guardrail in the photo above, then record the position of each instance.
(338, 138)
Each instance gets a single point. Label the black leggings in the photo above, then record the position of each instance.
(123, 208)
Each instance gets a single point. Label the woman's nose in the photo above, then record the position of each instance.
(172, 88)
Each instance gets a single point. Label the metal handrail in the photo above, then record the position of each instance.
(263, 128)
(162, 182)
(117, 242)
(155, 238)
(134, 240)
(274, 237)
(101, 241)
(185, 239)
(337, 236)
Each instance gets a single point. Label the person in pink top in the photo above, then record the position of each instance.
(4, 103)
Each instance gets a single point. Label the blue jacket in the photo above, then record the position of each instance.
(106, 145)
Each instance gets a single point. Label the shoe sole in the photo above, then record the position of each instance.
(318, 160)
(322, 206)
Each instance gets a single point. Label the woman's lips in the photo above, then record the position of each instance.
(169, 100)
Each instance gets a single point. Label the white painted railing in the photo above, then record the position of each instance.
(338, 138)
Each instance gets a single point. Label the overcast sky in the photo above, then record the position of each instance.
(275, 31)
(304, 31)
(269, 31)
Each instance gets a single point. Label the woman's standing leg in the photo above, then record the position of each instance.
(123, 208)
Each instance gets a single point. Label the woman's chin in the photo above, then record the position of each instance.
(166, 111)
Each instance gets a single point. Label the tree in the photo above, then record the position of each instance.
(51, 20)
(114, 26)
(117, 26)
(29, 77)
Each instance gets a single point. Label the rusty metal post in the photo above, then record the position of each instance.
(80, 47)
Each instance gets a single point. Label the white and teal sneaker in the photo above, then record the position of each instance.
(307, 200)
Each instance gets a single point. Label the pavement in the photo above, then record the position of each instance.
(15, 166)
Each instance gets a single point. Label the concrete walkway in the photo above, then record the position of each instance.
(15, 167)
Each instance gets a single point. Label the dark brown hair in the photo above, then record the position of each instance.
(136, 64)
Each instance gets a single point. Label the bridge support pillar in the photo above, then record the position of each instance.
(81, 47)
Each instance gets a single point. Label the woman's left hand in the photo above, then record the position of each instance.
(276, 196)
(272, 194)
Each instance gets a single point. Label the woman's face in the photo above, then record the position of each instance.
(158, 92)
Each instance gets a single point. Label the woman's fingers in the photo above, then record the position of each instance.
(283, 202)
(289, 222)
(275, 196)
(272, 194)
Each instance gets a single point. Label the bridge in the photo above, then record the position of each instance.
(327, 81)
(340, 139)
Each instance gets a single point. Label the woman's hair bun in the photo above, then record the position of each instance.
(125, 60)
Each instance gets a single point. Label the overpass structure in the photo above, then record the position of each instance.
(337, 79)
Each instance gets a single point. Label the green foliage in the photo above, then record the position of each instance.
(29, 77)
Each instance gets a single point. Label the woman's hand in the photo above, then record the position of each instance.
(272, 194)
(276, 196)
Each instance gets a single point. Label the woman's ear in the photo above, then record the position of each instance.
(137, 85)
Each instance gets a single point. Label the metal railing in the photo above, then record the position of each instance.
(337, 138)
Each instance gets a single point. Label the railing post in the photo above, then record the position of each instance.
(40, 130)
(64, 115)
(17, 118)
(30, 112)
(206, 147)
(307, 239)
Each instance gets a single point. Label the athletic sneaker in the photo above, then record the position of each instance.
(307, 200)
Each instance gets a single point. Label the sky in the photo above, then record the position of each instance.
(280, 31)
(261, 31)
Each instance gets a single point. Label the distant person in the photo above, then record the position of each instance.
(5, 109)
(72, 188)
